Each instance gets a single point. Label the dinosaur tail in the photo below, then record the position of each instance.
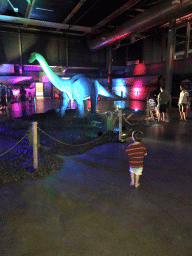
(102, 91)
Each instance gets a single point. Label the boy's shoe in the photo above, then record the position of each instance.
(137, 185)
(131, 183)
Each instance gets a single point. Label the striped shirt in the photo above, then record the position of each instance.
(136, 154)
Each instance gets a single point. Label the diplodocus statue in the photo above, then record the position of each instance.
(78, 88)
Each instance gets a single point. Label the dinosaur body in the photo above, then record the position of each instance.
(78, 88)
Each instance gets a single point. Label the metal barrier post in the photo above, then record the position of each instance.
(120, 124)
(35, 147)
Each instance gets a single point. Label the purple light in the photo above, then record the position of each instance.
(32, 68)
(7, 69)
(14, 79)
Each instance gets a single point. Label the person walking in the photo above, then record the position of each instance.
(163, 99)
(183, 102)
(136, 152)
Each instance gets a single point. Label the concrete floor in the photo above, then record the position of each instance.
(89, 209)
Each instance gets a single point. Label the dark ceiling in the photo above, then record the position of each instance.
(91, 18)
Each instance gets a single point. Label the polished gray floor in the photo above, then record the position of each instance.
(89, 209)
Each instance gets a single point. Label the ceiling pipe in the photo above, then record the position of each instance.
(40, 23)
(155, 16)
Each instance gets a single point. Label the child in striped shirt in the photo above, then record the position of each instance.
(136, 152)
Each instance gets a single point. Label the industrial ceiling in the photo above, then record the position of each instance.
(103, 22)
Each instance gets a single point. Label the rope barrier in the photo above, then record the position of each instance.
(14, 145)
(131, 123)
(72, 145)
(89, 142)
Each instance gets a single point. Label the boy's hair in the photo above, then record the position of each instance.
(138, 136)
(163, 87)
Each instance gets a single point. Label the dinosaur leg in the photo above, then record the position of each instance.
(93, 104)
(64, 104)
(80, 106)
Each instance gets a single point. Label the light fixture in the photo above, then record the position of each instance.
(14, 9)
(42, 9)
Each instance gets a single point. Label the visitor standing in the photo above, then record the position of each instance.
(22, 93)
(9, 96)
(30, 99)
(3, 97)
(163, 99)
(136, 152)
(183, 101)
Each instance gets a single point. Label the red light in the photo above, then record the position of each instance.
(139, 69)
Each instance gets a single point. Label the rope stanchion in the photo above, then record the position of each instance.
(147, 114)
(14, 145)
(35, 146)
(120, 124)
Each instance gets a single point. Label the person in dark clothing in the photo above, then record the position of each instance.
(22, 93)
(9, 96)
(3, 97)
(30, 99)
(163, 99)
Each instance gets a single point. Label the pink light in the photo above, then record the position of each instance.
(137, 105)
(45, 79)
(16, 92)
(137, 91)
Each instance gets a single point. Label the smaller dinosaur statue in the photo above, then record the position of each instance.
(78, 88)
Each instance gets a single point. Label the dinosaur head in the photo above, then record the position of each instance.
(32, 57)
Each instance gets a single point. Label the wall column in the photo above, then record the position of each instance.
(187, 40)
(170, 54)
(109, 63)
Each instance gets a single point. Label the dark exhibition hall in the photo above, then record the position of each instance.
(95, 128)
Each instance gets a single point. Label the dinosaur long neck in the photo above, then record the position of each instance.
(55, 80)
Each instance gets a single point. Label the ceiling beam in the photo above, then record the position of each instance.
(116, 13)
(29, 8)
(41, 23)
(77, 7)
